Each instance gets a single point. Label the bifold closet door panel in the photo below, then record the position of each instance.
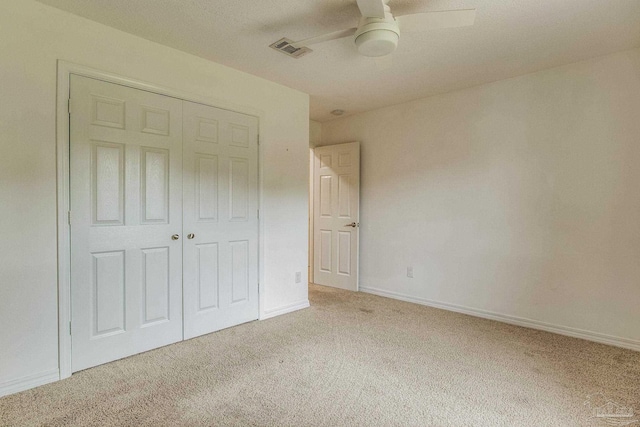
(220, 219)
(126, 204)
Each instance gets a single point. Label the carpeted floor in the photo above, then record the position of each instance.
(351, 359)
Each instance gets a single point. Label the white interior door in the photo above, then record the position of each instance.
(220, 219)
(126, 203)
(336, 206)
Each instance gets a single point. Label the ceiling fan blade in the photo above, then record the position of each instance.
(371, 8)
(325, 37)
(418, 22)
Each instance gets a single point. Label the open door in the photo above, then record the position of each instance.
(336, 215)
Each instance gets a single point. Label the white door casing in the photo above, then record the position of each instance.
(336, 206)
(220, 219)
(63, 123)
(126, 203)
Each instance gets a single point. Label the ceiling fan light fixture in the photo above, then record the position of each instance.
(377, 43)
(378, 31)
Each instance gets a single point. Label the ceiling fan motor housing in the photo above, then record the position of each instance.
(377, 37)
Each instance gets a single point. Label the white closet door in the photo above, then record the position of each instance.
(336, 207)
(220, 219)
(126, 203)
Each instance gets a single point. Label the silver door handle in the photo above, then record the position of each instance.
(353, 224)
(175, 237)
(190, 236)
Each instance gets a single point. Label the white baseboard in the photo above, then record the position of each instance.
(513, 320)
(268, 314)
(30, 381)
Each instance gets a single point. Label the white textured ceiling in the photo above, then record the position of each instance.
(509, 38)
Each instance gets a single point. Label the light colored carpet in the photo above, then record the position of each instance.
(350, 359)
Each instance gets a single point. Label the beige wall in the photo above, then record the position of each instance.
(32, 38)
(518, 198)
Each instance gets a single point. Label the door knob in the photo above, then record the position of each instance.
(190, 236)
(353, 224)
(175, 237)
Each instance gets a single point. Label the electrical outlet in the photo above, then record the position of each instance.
(298, 276)
(410, 272)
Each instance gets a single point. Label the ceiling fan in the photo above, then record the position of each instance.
(378, 31)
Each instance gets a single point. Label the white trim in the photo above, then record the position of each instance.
(512, 320)
(311, 266)
(30, 381)
(289, 308)
(64, 248)
(65, 69)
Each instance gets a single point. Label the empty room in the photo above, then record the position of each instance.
(319, 213)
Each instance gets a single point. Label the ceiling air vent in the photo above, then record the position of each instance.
(286, 46)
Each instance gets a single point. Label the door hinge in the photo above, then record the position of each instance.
(258, 213)
(69, 105)
(69, 327)
(69, 217)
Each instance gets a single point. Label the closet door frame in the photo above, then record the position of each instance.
(63, 106)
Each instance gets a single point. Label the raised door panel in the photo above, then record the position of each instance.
(344, 253)
(239, 135)
(238, 189)
(156, 280)
(325, 201)
(344, 159)
(239, 271)
(206, 191)
(208, 276)
(108, 112)
(107, 183)
(344, 196)
(206, 130)
(325, 161)
(155, 185)
(155, 121)
(325, 250)
(108, 293)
